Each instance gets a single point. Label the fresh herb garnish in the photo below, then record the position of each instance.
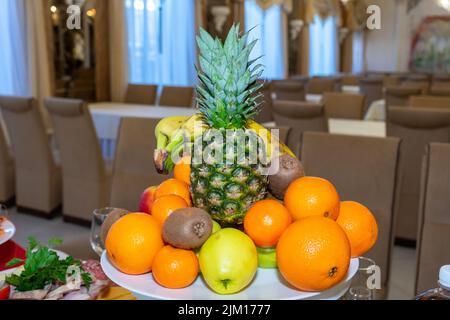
(43, 267)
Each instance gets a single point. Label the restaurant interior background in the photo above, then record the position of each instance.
(381, 134)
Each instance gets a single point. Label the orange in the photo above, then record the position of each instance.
(133, 242)
(309, 196)
(266, 221)
(182, 170)
(313, 254)
(360, 226)
(165, 206)
(175, 268)
(176, 187)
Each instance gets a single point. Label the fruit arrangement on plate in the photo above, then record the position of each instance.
(222, 220)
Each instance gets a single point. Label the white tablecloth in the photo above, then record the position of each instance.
(350, 89)
(107, 116)
(376, 111)
(353, 127)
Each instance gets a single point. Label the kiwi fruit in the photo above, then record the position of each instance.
(290, 170)
(187, 228)
(112, 217)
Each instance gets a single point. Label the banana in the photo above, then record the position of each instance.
(166, 127)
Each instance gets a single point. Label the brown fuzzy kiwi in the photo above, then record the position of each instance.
(187, 228)
(113, 216)
(290, 169)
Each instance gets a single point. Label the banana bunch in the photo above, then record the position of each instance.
(173, 133)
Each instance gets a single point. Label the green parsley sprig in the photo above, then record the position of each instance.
(43, 267)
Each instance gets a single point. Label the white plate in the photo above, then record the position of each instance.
(9, 231)
(267, 285)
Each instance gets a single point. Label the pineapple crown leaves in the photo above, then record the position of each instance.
(228, 92)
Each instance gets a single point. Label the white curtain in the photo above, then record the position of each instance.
(161, 41)
(267, 26)
(358, 52)
(323, 46)
(14, 78)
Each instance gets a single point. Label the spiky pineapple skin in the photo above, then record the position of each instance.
(228, 190)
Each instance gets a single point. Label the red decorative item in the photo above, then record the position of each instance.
(9, 251)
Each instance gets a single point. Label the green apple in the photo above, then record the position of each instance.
(216, 227)
(267, 258)
(228, 261)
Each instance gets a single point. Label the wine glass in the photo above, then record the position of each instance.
(98, 217)
(360, 288)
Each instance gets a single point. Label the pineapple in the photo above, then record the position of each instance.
(227, 97)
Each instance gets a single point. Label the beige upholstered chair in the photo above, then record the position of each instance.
(7, 173)
(399, 96)
(372, 88)
(141, 94)
(363, 169)
(300, 117)
(432, 102)
(423, 85)
(321, 85)
(439, 90)
(417, 128)
(350, 80)
(434, 223)
(391, 80)
(134, 170)
(283, 133)
(288, 90)
(343, 105)
(177, 96)
(265, 113)
(38, 177)
(86, 181)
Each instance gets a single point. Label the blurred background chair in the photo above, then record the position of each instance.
(38, 176)
(391, 80)
(432, 102)
(288, 90)
(141, 94)
(177, 97)
(300, 117)
(134, 170)
(7, 173)
(344, 105)
(434, 224)
(265, 113)
(442, 91)
(321, 85)
(86, 179)
(417, 128)
(350, 80)
(283, 133)
(350, 163)
(399, 96)
(372, 88)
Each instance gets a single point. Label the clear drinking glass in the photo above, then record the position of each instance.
(3, 213)
(359, 288)
(98, 217)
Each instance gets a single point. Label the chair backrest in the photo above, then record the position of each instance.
(344, 105)
(434, 223)
(372, 88)
(283, 133)
(7, 174)
(399, 96)
(440, 90)
(28, 135)
(321, 85)
(81, 156)
(265, 113)
(288, 90)
(391, 80)
(423, 85)
(300, 117)
(134, 170)
(141, 94)
(349, 162)
(350, 80)
(417, 128)
(177, 96)
(433, 102)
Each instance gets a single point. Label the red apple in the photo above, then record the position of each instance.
(147, 200)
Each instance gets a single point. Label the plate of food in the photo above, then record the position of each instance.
(7, 230)
(49, 274)
(268, 284)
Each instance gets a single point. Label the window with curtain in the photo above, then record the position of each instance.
(358, 52)
(267, 26)
(161, 41)
(323, 46)
(13, 49)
